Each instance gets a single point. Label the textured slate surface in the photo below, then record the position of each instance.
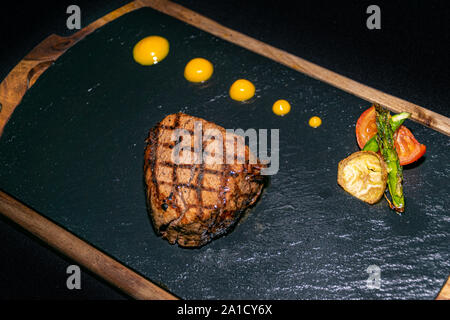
(73, 151)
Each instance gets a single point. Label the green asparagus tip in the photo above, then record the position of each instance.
(400, 116)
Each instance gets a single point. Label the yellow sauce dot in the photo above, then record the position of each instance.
(151, 50)
(281, 107)
(198, 70)
(315, 122)
(242, 90)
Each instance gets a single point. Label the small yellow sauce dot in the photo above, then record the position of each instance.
(242, 90)
(281, 107)
(151, 50)
(315, 122)
(198, 70)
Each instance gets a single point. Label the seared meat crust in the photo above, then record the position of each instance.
(192, 203)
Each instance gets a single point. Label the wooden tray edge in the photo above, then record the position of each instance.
(25, 74)
(419, 114)
(70, 245)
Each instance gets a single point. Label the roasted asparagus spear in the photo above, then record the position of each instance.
(385, 141)
(396, 121)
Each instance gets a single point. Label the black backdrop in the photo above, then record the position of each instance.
(407, 58)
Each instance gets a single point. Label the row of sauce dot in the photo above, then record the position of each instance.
(153, 49)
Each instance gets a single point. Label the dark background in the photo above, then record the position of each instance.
(408, 58)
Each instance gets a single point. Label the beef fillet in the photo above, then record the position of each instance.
(192, 203)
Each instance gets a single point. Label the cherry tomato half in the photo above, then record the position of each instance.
(408, 148)
(366, 127)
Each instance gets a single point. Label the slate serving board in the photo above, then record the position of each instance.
(73, 150)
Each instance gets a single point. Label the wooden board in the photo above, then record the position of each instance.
(13, 88)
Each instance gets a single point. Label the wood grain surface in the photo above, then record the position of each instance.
(25, 74)
(96, 261)
(444, 294)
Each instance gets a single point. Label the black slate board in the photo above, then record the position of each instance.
(73, 150)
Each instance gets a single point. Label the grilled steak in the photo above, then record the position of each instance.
(191, 202)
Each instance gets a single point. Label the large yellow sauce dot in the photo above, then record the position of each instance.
(242, 90)
(315, 122)
(281, 107)
(151, 50)
(198, 70)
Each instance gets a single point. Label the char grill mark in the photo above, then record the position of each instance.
(200, 183)
(174, 169)
(154, 142)
(222, 195)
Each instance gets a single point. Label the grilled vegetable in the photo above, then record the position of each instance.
(363, 174)
(385, 140)
(372, 145)
(396, 121)
(408, 148)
